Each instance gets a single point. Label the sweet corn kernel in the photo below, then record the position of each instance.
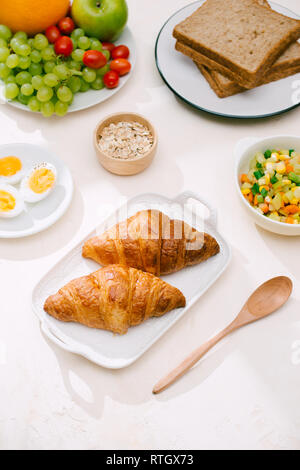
(275, 213)
(294, 201)
(280, 168)
(263, 186)
(286, 181)
(284, 157)
(267, 178)
(246, 191)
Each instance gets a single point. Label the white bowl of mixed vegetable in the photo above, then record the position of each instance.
(268, 182)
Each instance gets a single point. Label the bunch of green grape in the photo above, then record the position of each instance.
(36, 77)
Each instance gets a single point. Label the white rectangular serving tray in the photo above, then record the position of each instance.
(103, 347)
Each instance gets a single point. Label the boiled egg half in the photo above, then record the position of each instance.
(11, 202)
(38, 183)
(11, 170)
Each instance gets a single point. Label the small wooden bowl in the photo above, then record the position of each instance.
(131, 166)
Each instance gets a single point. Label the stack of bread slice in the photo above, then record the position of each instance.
(240, 44)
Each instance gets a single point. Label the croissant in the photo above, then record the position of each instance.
(114, 298)
(152, 242)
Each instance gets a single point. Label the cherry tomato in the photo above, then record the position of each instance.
(52, 34)
(111, 79)
(108, 46)
(121, 66)
(66, 25)
(120, 52)
(63, 46)
(94, 59)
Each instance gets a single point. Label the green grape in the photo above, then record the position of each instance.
(23, 99)
(24, 50)
(3, 43)
(74, 65)
(23, 77)
(40, 42)
(84, 86)
(107, 54)
(21, 35)
(77, 55)
(51, 80)
(75, 44)
(5, 32)
(12, 61)
(98, 84)
(74, 83)
(24, 63)
(61, 108)
(89, 75)
(37, 82)
(76, 34)
(36, 69)
(15, 44)
(44, 94)
(10, 79)
(47, 109)
(4, 53)
(4, 71)
(36, 56)
(48, 54)
(49, 66)
(31, 42)
(84, 42)
(96, 45)
(101, 72)
(27, 89)
(64, 94)
(34, 104)
(11, 91)
(62, 71)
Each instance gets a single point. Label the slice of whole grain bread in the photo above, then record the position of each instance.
(224, 87)
(240, 38)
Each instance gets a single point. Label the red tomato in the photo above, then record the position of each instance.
(111, 79)
(120, 52)
(66, 25)
(121, 66)
(52, 34)
(94, 59)
(108, 46)
(63, 46)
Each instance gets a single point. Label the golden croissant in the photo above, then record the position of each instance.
(152, 242)
(114, 298)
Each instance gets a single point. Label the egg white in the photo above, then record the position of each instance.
(14, 179)
(19, 207)
(30, 196)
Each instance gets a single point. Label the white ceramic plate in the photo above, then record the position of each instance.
(184, 79)
(93, 97)
(102, 347)
(39, 216)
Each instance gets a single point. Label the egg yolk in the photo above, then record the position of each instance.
(7, 201)
(41, 180)
(9, 166)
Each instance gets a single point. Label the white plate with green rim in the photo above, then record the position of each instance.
(182, 76)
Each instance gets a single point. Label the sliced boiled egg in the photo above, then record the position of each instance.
(38, 183)
(11, 202)
(11, 170)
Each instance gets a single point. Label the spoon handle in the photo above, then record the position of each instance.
(191, 360)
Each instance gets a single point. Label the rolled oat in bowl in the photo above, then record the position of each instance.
(126, 140)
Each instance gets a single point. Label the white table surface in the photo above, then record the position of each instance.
(245, 394)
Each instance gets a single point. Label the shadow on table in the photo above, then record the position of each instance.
(49, 241)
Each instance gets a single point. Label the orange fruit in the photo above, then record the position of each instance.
(32, 16)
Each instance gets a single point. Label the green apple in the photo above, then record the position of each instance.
(104, 19)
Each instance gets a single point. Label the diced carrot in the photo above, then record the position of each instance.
(255, 200)
(290, 220)
(250, 198)
(289, 168)
(264, 208)
(244, 178)
(292, 209)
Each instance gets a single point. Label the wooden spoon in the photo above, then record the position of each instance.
(268, 298)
